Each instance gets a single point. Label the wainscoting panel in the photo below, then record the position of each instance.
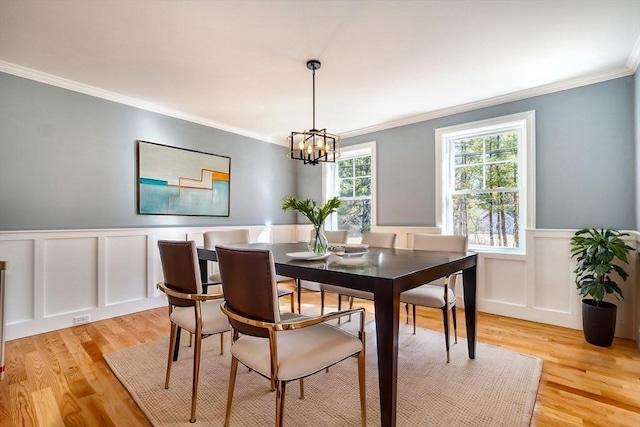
(54, 276)
(19, 256)
(126, 269)
(504, 280)
(539, 285)
(70, 275)
(554, 289)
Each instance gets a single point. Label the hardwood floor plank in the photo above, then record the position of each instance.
(116, 400)
(589, 411)
(46, 407)
(21, 405)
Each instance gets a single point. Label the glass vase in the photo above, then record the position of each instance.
(318, 242)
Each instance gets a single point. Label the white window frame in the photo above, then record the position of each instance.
(525, 125)
(330, 182)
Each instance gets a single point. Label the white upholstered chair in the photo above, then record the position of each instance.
(279, 350)
(440, 293)
(240, 236)
(373, 239)
(189, 307)
(336, 236)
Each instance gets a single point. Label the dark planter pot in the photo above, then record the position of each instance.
(598, 322)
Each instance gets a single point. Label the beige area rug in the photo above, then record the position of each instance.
(498, 388)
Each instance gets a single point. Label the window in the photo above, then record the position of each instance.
(352, 179)
(486, 181)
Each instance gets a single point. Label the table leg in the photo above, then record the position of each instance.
(176, 349)
(298, 289)
(387, 307)
(204, 270)
(470, 308)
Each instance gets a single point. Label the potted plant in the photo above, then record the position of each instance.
(316, 214)
(596, 251)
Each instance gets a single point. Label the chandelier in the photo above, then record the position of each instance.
(314, 146)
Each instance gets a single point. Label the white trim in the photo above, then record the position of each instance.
(503, 99)
(530, 172)
(52, 80)
(634, 57)
(526, 169)
(31, 74)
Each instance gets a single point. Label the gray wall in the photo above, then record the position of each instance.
(585, 154)
(67, 161)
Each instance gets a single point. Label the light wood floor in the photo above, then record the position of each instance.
(60, 378)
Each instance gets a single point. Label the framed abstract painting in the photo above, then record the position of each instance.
(178, 181)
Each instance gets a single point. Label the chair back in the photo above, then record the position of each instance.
(180, 268)
(226, 237)
(439, 242)
(378, 239)
(335, 236)
(249, 286)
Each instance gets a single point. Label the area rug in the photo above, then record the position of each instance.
(498, 388)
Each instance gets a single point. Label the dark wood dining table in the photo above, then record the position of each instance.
(387, 273)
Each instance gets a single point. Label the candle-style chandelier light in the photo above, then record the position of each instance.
(314, 146)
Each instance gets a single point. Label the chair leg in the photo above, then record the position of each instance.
(221, 342)
(301, 388)
(293, 307)
(350, 306)
(299, 292)
(406, 309)
(455, 324)
(281, 388)
(362, 381)
(196, 376)
(413, 311)
(445, 320)
(339, 306)
(321, 302)
(170, 359)
(232, 384)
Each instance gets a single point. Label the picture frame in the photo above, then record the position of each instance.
(180, 181)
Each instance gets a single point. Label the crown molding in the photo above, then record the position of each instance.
(634, 57)
(498, 100)
(28, 73)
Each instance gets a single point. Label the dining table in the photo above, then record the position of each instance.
(387, 273)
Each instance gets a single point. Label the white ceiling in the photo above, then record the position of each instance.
(240, 65)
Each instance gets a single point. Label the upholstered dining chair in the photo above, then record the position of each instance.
(373, 239)
(336, 236)
(281, 351)
(440, 293)
(240, 236)
(189, 307)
